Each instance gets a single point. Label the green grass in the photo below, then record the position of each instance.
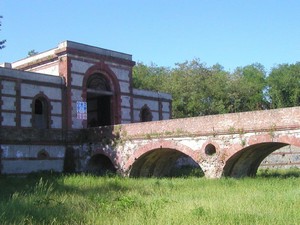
(80, 199)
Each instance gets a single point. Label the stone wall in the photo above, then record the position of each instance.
(283, 158)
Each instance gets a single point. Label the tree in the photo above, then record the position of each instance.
(198, 90)
(149, 77)
(217, 87)
(195, 88)
(3, 41)
(247, 91)
(32, 53)
(284, 85)
(187, 87)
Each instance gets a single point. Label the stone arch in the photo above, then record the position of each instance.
(158, 158)
(100, 163)
(244, 161)
(41, 111)
(101, 90)
(145, 114)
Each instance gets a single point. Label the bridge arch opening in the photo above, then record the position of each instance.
(165, 162)
(100, 164)
(246, 161)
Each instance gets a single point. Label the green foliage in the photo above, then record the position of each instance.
(32, 53)
(81, 199)
(284, 85)
(149, 77)
(3, 41)
(198, 90)
(247, 86)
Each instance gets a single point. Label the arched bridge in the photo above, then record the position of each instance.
(231, 145)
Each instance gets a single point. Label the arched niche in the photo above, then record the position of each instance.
(145, 114)
(40, 112)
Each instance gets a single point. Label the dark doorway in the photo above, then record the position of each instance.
(146, 114)
(99, 101)
(99, 110)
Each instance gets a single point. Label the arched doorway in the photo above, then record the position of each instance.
(145, 114)
(99, 101)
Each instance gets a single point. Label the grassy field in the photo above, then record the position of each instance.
(270, 198)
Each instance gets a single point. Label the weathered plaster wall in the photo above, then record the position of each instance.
(22, 159)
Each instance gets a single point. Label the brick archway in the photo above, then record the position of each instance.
(104, 71)
(158, 150)
(244, 161)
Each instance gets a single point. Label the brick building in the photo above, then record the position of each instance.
(71, 87)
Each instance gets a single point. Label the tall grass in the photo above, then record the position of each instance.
(82, 199)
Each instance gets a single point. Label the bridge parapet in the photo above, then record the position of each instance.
(254, 121)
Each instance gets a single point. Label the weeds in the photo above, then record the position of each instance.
(271, 198)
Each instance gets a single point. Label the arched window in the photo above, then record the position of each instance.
(40, 113)
(145, 114)
(98, 82)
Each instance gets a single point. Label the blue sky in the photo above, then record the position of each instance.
(229, 32)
